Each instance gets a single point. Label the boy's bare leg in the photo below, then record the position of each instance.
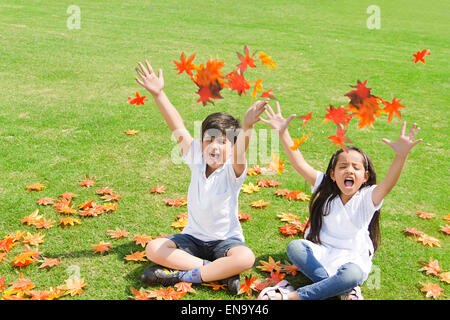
(165, 252)
(238, 260)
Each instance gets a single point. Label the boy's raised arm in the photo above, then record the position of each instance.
(280, 124)
(402, 147)
(243, 140)
(155, 86)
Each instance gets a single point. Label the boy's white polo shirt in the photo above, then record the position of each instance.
(212, 202)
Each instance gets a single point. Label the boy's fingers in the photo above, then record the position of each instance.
(160, 73)
(387, 141)
(278, 107)
(140, 73)
(268, 114)
(271, 111)
(403, 128)
(263, 120)
(417, 141)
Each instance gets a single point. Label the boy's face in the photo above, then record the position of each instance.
(216, 148)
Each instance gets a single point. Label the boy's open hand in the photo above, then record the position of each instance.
(149, 80)
(252, 114)
(405, 142)
(276, 121)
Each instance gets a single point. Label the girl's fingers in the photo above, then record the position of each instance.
(267, 114)
(387, 141)
(278, 107)
(415, 133)
(411, 131)
(263, 120)
(271, 111)
(417, 141)
(144, 70)
(149, 66)
(140, 73)
(139, 81)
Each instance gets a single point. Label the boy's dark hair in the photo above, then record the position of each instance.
(319, 205)
(223, 123)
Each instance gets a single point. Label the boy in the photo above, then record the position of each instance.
(211, 246)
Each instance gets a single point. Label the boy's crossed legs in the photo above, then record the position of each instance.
(223, 259)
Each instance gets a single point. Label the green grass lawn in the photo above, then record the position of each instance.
(64, 110)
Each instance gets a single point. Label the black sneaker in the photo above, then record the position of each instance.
(233, 283)
(160, 275)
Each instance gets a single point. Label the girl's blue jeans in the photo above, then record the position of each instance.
(347, 277)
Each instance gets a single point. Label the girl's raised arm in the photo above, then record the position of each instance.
(402, 147)
(280, 124)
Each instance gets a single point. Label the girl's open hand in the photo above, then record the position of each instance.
(149, 80)
(276, 120)
(405, 142)
(252, 114)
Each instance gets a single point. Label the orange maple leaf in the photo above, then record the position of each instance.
(118, 234)
(185, 65)
(270, 265)
(289, 229)
(158, 189)
(305, 118)
(49, 262)
(258, 87)
(142, 239)
(131, 132)
(267, 61)
(45, 201)
(87, 182)
(215, 285)
(432, 289)
(268, 94)
(137, 256)
(35, 187)
(391, 108)
(431, 267)
(139, 100)
(104, 190)
(23, 284)
(247, 286)
(236, 81)
(425, 215)
(412, 231)
(74, 285)
(142, 294)
(428, 240)
(298, 142)
(290, 268)
(259, 204)
(184, 286)
(101, 247)
(338, 116)
(276, 165)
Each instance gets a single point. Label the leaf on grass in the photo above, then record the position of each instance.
(131, 132)
(34, 240)
(259, 204)
(247, 286)
(74, 285)
(446, 229)
(87, 182)
(137, 256)
(185, 287)
(142, 294)
(276, 164)
(425, 215)
(45, 201)
(289, 229)
(158, 189)
(101, 247)
(215, 285)
(432, 289)
(427, 240)
(35, 187)
(243, 216)
(270, 265)
(431, 267)
(249, 188)
(142, 239)
(118, 234)
(412, 231)
(49, 262)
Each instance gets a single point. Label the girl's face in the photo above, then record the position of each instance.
(216, 150)
(349, 173)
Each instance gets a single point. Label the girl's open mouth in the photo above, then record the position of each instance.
(348, 182)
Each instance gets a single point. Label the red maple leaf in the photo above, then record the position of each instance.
(185, 65)
(208, 92)
(268, 94)
(419, 56)
(337, 115)
(391, 108)
(237, 82)
(138, 100)
(247, 286)
(339, 138)
(306, 118)
(246, 60)
(361, 91)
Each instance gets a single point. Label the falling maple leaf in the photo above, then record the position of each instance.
(420, 55)
(101, 247)
(259, 204)
(431, 267)
(246, 60)
(236, 81)
(425, 215)
(276, 164)
(247, 286)
(185, 65)
(391, 108)
(139, 100)
(339, 139)
(305, 118)
(268, 94)
(432, 289)
(298, 142)
(338, 116)
(267, 61)
(207, 93)
(258, 87)
(35, 187)
(270, 265)
(74, 285)
(158, 189)
(87, 182)
(137, 256)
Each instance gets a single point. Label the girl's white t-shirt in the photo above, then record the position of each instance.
(344, 234)
(212, 202)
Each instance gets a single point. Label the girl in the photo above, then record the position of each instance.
(343, 231)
